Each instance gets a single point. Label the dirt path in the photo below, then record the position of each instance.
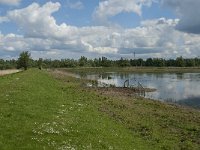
(5, 72)
(61, 72)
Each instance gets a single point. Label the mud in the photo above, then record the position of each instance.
(120, 91)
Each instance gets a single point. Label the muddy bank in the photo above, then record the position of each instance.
(121, 91)
(61, 72)
(106, 89)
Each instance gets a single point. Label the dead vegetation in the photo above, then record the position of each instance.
(11, 71)
(120, 91)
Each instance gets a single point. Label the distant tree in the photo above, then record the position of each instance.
(123, 62)
(158, 62)
(97, 62)
(56, 63)
(140, 62)
(133, 62)
(68, 63)
(40, 63)
(180, 62)
(189, 62)
(171, 63)
(2, 66)
(82, 61)
(24, 60)
(105, 62)
(91, 63)
(149, 62)
(197, 61)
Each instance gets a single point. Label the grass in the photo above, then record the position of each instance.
(41, 110)
(137, 69)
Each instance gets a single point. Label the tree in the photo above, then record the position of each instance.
(133, 62)
(149, 62)
(189, 62)
(140, 62)
(40, 63)
(24, 60)
(105, 62)
(123, 62)
(97, 62)
(82, 61)
(158, 62)
(180, 62)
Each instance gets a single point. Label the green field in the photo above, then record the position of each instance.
(45, 110)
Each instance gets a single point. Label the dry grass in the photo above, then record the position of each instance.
(10, 71)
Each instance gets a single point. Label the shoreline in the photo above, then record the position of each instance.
(135, 69)
(125, 93)
(147, 118)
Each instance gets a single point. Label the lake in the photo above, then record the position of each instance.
(181, 88)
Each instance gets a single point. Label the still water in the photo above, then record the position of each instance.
(181, 88)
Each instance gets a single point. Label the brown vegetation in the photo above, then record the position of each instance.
(5, 72)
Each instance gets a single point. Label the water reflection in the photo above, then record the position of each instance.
(182, 88)
(190, 101)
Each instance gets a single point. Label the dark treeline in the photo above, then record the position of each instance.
(104, 62)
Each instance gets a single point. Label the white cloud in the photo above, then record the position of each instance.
(42, 35)
(10, 2)
(3, 19)
(188, 11)
(160, 21)
(76, 5)
(101, 50)
(110, 8)
(37, 21)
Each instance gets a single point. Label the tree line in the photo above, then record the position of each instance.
(25, 61)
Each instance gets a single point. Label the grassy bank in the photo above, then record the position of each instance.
(41, 110)
(138, 69)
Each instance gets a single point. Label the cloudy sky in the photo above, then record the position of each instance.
(113, 28)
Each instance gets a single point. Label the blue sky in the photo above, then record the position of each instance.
(112, 28)
(83, 16)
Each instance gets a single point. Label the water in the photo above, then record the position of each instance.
(183, 88)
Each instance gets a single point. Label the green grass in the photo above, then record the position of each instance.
(39, 110)
(137, 69)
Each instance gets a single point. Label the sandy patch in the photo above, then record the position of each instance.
(63, 73)
(5, 72)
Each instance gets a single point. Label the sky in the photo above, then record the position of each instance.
(60, 29)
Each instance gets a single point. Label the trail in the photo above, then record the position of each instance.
(10, 71)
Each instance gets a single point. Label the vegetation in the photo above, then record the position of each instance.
(40, 63)
(102, 70)
(60, 114)
(8, 64)
(24, 61)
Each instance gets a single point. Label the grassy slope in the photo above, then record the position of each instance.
(40, 111)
